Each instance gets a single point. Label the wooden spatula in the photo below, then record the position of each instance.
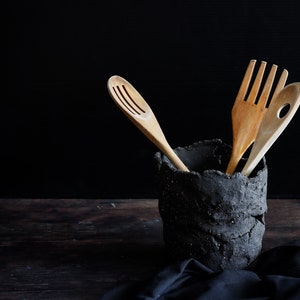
(139, 112)
(274, 122)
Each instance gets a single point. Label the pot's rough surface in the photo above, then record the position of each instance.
(207, 214)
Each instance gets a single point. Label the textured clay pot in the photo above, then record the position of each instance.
(211, 216)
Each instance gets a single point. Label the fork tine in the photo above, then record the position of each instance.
(263, 99)
(255, 88)
(246, 81)
(280, 84)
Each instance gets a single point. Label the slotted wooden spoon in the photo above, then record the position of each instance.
(140, 113)
(274, 122)
(247, 113)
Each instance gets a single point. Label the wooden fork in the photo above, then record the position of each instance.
(247, 113)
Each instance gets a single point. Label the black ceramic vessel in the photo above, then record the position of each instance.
(207, 214)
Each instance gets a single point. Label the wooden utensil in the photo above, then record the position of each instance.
(247, 113)
(140, 113)
(274, 122)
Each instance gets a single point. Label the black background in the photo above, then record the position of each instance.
(62, 135)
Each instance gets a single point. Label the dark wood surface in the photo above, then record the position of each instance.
(79, 248)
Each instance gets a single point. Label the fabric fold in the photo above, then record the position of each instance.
(275, 274)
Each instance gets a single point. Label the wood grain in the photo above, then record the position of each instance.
(80, 248)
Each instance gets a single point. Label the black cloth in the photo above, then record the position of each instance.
(275, 274)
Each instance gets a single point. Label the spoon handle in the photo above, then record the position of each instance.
(273, 124)
(170, 153)
(152, 130)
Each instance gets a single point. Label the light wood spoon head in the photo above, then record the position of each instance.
(274, 122)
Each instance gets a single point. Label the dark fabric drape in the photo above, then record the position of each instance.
(275, 274)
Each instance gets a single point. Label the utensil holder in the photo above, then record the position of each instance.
(207, 214)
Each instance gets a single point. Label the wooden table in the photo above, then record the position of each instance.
(79, 248)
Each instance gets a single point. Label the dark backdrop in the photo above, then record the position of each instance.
(62, 135)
